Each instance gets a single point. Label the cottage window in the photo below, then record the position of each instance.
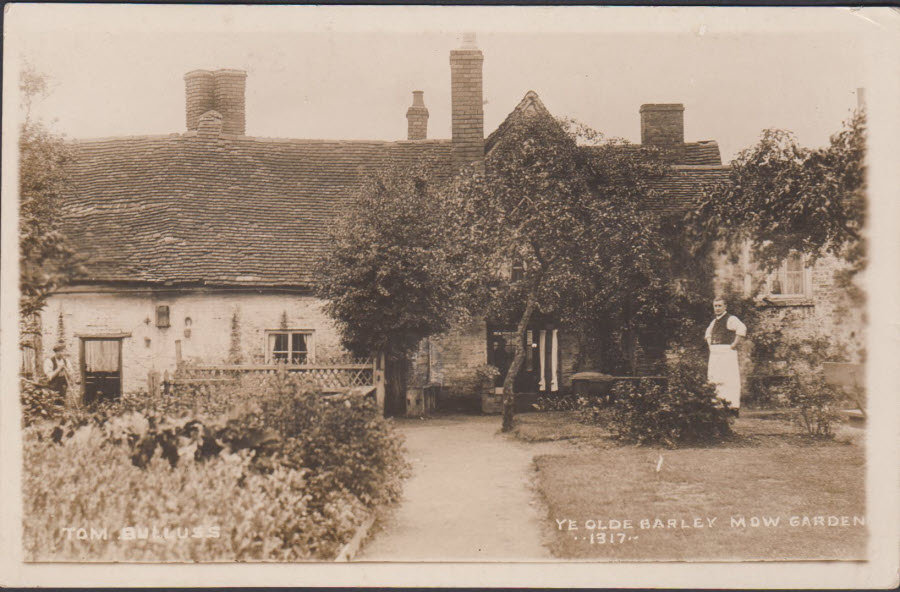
(162, 316)
(792, 278)
(290, 347)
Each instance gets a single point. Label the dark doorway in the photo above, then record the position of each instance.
(101, 368)
(502, 350)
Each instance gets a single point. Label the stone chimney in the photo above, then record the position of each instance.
(417, 117)
(220, 90)
(662, 124)
(467, 107)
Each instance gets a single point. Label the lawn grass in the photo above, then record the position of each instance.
(768, 470)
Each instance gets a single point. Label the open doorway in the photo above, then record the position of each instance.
(101, 368)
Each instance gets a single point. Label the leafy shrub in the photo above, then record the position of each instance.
(256, 516)
(683, 411)
(287, 475)
(814, 403)
(39, 402)
(342, 438)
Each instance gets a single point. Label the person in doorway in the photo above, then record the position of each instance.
(724, 335)
(57, 371)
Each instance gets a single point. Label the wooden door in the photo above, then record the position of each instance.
(101, 369)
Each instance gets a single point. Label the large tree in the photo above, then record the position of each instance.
(786, 198)
(45, 259)
(567, 208)
(392, 275)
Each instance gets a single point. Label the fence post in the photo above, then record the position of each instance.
(153, 383)
(178, 361)
(378, 380)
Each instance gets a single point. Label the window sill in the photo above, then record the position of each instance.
(784, 301)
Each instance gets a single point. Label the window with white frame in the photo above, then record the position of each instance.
(290, 347)
(792, 279)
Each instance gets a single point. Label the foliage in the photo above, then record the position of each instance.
(341, 438)
(235, 353)
(683, 411)
(240, 514)
(815, 405)
(786, 198)
(299, 472)
(560, 402)
(45, 259)
(486, 374)
(813, 401)
(39, 402)
(567, 207)
(392, 276)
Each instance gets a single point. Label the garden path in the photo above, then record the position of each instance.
(470, 497)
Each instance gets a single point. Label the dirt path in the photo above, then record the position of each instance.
(469, 498)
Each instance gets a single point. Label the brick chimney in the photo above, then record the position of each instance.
(467, 108)
(662, 124)
(219, 90)
(200, 96)
(417, 117)
(230, 86)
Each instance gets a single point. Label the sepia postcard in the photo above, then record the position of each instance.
(466, 296)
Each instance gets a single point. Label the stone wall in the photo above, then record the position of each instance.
(828, 309)
(205, 338)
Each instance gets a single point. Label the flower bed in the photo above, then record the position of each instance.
(286, 476)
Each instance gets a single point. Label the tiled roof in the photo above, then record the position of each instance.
(704, 153)
(233, 210)
(680, 188)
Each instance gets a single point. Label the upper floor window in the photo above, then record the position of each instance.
(289, 347)
(162, 316)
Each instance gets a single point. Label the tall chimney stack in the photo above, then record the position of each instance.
(662, 124)
(230, 87)
(200, 96)
(467, 107)
(417, 117)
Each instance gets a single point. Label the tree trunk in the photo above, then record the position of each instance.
(509, 397)
(396, 374)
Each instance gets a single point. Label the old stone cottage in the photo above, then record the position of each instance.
(201, 243)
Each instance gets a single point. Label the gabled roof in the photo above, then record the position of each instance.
(233, 210)
(530, 105)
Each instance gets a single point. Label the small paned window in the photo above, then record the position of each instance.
(162, 316)
(290, 347)
(790, 280)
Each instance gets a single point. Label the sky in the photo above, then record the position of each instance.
(339, 79)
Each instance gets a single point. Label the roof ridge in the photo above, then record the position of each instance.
(235, 137)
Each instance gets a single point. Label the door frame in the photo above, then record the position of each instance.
(82, 365)
(534, 326)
